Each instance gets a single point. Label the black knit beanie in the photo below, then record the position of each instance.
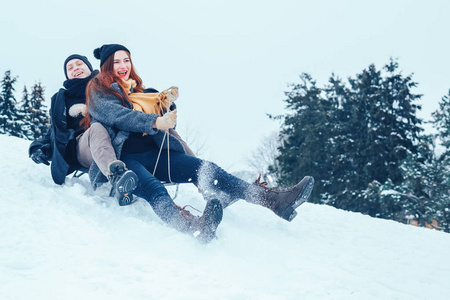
(106, 51)
(77, 56)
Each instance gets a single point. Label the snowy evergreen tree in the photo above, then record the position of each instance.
(441, 121)
(424, 193)
(39, 116)
(386, 129)
(353, 139)
(343, 178)
(26, 102)
(10, 120)
(413, 197)
(25, 111)
(304, 136)
(387, 121)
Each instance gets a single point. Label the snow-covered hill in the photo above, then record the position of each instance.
(69, 242)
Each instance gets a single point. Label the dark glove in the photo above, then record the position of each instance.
(39, 157)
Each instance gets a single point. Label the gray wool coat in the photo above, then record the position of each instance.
(119, 121)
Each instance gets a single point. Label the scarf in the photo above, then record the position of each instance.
(150, 103)
(76, 88)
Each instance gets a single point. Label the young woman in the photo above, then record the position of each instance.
(68, 146)
(112, 99)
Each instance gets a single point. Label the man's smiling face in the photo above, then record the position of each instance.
(76, 68)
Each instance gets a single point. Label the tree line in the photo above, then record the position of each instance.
(362, 141)
(27, 118)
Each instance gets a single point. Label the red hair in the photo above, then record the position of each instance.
(102, 83)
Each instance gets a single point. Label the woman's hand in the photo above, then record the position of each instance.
(172, 93)
(167, 121)
(169, 96)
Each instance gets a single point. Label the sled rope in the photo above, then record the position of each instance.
(166, 134)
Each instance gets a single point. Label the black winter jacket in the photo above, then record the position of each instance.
(59, 143)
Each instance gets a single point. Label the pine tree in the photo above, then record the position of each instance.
(441, 121)
(403, 127)
(432, 185)
(424, 193)
(342, 156)
(26, 111)
(10, 120)
(414, 195)
(39, 116)
(387, 129)
(388, 121)
(304, 135)
(441, 197)
(353, 139)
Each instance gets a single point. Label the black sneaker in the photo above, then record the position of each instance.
(123, 182)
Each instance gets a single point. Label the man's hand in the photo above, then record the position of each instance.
(39, 157)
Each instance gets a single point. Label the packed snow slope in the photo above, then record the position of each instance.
(69, 242)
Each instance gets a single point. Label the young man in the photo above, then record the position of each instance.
(69, 147)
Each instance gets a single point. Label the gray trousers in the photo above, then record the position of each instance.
(95, 145)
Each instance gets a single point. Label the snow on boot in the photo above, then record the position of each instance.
(123, 182)
(202, 228)
(208, 222)
(282, 202)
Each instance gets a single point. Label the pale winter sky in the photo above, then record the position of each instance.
(233, 59)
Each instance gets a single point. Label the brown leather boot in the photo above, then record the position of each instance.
(202, 228)
(282, 202)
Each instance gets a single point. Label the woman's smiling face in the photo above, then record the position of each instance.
(122, 64)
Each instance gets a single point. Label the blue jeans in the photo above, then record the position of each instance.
(212, 180)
